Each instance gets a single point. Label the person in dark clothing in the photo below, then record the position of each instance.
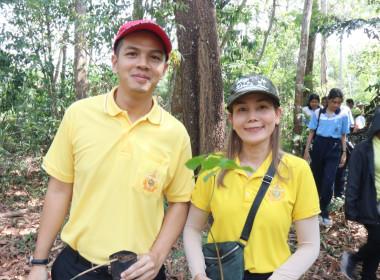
(362, 202)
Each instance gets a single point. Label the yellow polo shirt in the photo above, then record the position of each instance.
(121, 172)
(294, 199)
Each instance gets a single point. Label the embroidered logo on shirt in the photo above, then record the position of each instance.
(276, 192)
(151, 181)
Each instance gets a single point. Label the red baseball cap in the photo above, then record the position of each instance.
(144, 24)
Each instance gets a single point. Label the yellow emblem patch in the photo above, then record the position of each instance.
(276, 192)
(151, 181)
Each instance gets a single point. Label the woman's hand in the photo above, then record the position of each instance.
(343, 159)
(306, 156)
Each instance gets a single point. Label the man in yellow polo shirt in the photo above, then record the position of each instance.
(113, 159)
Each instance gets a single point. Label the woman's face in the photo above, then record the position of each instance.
(314, 103)
(254, 118)
(324, 102)
(334, 103)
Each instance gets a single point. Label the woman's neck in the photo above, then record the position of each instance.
(329, 111)
(253, 156)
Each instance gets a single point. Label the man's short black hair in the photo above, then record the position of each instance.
(350, 101)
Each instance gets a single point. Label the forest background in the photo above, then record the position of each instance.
(54, 52)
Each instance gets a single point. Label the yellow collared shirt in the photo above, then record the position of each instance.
(121, 172)
(294, 199)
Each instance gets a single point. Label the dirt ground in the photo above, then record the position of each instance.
(20, 213)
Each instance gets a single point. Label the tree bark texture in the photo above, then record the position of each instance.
(323, 50)
(309, 88)
(201, 78)
(80, 54)
(297, 130)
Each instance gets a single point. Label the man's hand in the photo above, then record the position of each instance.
(146, 268)
(38, 272)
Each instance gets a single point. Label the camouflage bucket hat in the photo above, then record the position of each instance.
(251, 84)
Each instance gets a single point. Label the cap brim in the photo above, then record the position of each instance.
(243, 92)
(146, 26)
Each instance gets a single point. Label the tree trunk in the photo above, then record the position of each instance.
(267, 32)
(201, 79)
(323, 52)
(50, 64)
(297, 130)
(231, 25)
(341, 61)
(80, 55)
(64, 59)
(310, 56)
(138, 10)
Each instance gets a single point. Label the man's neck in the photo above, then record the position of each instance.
(136, 107)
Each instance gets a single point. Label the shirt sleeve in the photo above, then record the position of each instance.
(345, 125)
(313, 123)
(307, 201)
(202, 192)
(59, 160)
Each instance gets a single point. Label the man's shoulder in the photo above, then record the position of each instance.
(88, 102)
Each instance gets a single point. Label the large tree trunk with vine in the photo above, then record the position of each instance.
(80, 55)
(201, 90)
(297, 129)
(309, 88)
(323, 51)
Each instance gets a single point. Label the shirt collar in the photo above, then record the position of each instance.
(336, 112)
(259, 172)
(155, 115)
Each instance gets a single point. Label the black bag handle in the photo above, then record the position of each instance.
(319, 116)
(267, 180)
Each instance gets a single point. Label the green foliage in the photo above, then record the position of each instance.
(370, 26)
(212, 162)
(34, 92)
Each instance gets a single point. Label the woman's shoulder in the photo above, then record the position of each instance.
(292, 161)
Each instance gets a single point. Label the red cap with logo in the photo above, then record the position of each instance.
(144, 24)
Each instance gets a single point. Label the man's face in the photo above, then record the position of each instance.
(140, 63)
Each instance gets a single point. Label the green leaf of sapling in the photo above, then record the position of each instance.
(195, 162)
(209, 175)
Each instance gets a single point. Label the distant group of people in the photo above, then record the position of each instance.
(116, 155)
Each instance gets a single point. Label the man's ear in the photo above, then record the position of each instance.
(114, 63)
(165, 68)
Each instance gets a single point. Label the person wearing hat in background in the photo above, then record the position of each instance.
(331, 126)
(357, 110)
(114, 158)
(255, 114)
(362, 203)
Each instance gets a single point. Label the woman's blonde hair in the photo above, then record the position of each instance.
(235, 145)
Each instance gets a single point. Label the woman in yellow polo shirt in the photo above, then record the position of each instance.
(254, 141)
